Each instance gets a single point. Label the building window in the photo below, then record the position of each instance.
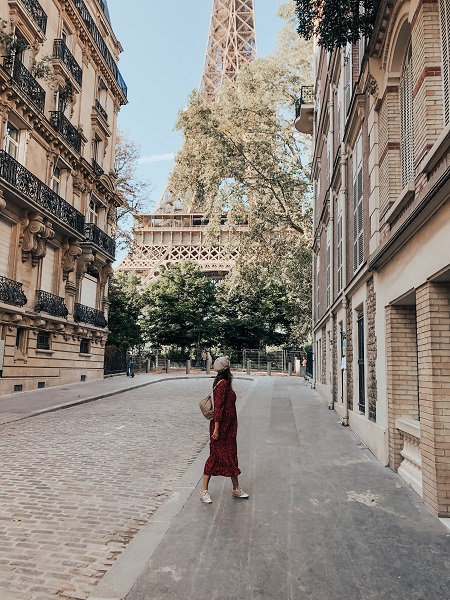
(43, 340)
(340, 269)
(22, 340)
(358, 218)
(407, 119)
(328, 266)
(12, 141)
(361, 366)
(84, 346)
(347, 77)
(318, 286)
(93, 209)
(445, 36)
(56, 180)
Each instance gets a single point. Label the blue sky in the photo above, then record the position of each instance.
(162, 63)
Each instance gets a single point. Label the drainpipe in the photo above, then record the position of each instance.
(344, 195)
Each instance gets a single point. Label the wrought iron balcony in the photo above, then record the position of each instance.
(25, 80)
(102, 240)
(304, 109)
(97, 168)
(37, 13)
(62, 52)
(86, 314)
(11, 292)
(34, 189)
(70, 133)
(101, 110)
(100, 43)
(53, 305)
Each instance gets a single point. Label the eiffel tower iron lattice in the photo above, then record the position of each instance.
(175, 234)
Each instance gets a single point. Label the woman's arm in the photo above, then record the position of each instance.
(219, 405)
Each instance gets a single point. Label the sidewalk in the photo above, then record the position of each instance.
(325, 521)
(22, 405)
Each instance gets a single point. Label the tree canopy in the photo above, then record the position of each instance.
(125, 307)
(336, 22)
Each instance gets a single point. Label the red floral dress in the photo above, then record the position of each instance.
(223, 459)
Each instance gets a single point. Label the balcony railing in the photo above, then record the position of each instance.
(25, 80)
(37, 12)
(97, 168)
(70, 133)
(53, 305)
(102, 240)
(306, 97)
(62, 52)
(86, 314)
(101, 110)
(100, 43)
(11, 292)
(34, 189)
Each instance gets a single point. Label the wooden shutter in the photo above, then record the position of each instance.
(358, 215)
(47, 271)
(5, 242)
(318, 286)
(328, 266)
(89, 291)
(348, 77)
(445, 36)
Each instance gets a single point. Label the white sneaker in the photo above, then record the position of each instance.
(205, 497)
(238, 493)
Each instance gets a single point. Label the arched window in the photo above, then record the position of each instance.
(407, 118)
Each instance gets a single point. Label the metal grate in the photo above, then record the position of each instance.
(43, 340)
(445, 37)
(407, 119)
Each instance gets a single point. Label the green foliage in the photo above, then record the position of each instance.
(12, 43)
(178, 308)
(336, 22)
(125, 307)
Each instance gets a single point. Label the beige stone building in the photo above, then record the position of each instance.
(380, 119)
(60, 94)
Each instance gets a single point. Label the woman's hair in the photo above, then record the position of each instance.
(225, 374)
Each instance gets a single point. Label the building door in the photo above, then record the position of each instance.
(361, 373)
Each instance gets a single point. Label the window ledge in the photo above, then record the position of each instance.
(436, 152)
(42, 351)
(405, 196)
(85, 354)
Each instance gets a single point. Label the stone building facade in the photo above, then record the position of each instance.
(380, 119)
(60, 94)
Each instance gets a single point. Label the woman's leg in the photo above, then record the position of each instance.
(235, 482)
(206, 479)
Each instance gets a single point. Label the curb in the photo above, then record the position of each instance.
(119, 580)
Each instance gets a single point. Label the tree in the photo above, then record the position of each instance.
(125, 307)
(178, 308)
(133, 190)
(241, 154)
(336, 22)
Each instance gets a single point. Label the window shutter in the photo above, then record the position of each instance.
(339, 248)
(348, 77)
(445, 36)
(47, 271)
(318, 286)
(89, 291)
(328, 266)
(5, 240)
(358, 213)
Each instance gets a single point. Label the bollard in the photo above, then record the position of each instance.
(269, 368)
(188, 367)
(289, 369)
(168, 366)
(208, 367)
(249, 367)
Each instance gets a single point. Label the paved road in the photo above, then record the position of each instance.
(76, 485)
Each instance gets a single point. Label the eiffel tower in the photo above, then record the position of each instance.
(173, 233)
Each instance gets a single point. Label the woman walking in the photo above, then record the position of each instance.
(223, 459)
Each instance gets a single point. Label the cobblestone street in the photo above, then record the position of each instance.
(77, 484)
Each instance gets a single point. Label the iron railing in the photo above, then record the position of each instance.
(11, 292)
(101, 110)
(37, 12)
(306, 97)
(70, 133)
(34, 189)
(97, 168)
(53, 305)
(25, 80)
(100, 43)
(86, 314)
(62, 52)
(102, 240)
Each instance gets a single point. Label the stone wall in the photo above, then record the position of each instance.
(371, 351)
